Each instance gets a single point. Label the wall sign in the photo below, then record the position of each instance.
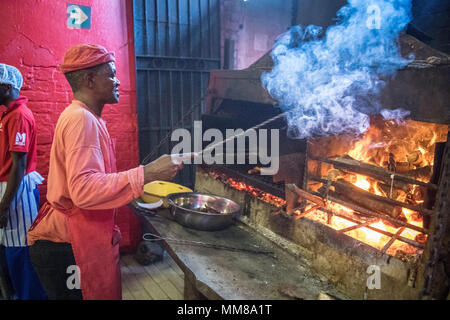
(78, 17)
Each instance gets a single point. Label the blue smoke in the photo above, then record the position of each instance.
(319, 77)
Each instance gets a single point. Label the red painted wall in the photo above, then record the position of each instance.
(34, 37)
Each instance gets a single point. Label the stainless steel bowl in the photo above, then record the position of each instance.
(202, 211)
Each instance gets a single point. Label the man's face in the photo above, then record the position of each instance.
(5, 93)
(106, 85)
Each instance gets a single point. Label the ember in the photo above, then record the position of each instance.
(403, 148)
(239, 185)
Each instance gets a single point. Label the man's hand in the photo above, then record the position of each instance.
(3, 216)
(162, 168)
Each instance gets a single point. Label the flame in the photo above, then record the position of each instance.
(242, 186)
(412, 145)
(361, 182)
(408, 144)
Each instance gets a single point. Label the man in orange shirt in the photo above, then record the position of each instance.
(75, 240)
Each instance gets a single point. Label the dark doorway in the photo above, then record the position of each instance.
(177, 43)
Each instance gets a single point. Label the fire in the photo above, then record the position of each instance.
(362, 183)
(408, 147)
(255, 192)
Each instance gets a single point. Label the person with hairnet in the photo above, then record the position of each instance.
(19, 198)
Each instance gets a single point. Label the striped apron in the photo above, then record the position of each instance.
(22, 212)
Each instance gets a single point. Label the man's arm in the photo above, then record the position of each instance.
(89, 186)
(19, 165)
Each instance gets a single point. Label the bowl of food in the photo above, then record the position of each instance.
(203, 211)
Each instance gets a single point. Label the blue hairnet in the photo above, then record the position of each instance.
(11, 75)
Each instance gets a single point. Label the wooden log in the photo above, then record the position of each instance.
(396, 193)
(370, 203)
(410, 170)
(415, 157)
(381, 173)
(351, 191)
(316, 198)
(306, 195)
(420, 173)
(352, 165)
(421, 238)
(402, 167)
(334, 174)
(386, 233)
(419, 195)
(371, 213)
(383, 209)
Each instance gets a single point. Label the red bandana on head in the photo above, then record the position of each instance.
(83, 56)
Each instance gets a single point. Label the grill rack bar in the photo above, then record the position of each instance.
(318, 203)
(365, 193)
(317, 198)
(374, 214)
(386, 233)
(372, 171)
(359, 224)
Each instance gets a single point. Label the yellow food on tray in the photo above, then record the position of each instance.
(158, 190)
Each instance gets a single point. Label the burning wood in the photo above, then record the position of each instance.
(419, 173)
(415, 158)
(352, 165)
(370, 204)
(317, 199)
(384, 175)
(333, 174)
(404, 167)
(368, 212)
(386, 233)
(370, 200)
(421, 238)
(253, 191)
(306, 195)
(391, 193)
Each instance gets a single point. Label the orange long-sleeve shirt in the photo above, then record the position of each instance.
(82, 172)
